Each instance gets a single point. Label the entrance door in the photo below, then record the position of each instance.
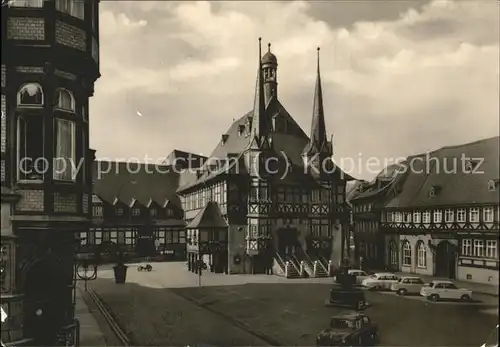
(145, 243)
(445, 260)
(45, 305)
(288, 243)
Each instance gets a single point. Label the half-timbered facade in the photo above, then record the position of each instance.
(135, 206)
(367, 206)
(50, 62)
(279, 190)
(447, 213)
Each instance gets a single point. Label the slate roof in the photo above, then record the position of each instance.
(178, 158)
(292, 143)
(141, 181)
(456, 187)
(209, 217)
(382, 183)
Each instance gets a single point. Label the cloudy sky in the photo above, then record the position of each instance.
(399, 77)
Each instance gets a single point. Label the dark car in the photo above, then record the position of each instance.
(349, 329)
(354, 298)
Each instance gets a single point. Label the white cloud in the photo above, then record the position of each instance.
(426, 79)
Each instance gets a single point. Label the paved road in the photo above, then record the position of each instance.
(264, 310)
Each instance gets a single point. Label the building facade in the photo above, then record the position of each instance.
(367, 206)
(279, 190)
(446, 214)
(135, 207)
(50, 62)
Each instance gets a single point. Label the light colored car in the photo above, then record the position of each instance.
(360, 275)
(408, 285)
(492, 340)
(381, 280)
(445, 290)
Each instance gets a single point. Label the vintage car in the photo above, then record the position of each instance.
(381, 280)
(492, 340)
(348, 297)
(349, 329)
(408, 285)
(359, 274)
(445, 290)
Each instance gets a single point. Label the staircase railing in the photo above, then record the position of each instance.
(308, 264)
(292, 260)
(281, 263)
(322, 262)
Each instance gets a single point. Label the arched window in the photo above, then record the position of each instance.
(64, 100)
(30, 94)
(406, 253)
(421, 255)
(394, 253)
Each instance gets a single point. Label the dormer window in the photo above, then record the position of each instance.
(241, 129)
(471, 165)
(136, 211)
(169, 212)
(119, 211)
(154, 212)
(434, 191)
(493, 185)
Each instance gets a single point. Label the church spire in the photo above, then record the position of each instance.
(259, 122)
(318, 138)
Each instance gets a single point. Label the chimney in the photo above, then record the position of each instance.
(241, 129)
(224, 138)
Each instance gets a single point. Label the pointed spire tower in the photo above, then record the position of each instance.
(318, 146)
(260, 122)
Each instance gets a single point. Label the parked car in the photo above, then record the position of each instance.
(347, 297)
(492, 340)
(438, 290)
(381, 280)
(359, 274)
(408, 285)
(349, 329)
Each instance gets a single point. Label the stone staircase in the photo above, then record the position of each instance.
(319, 265)
(285, 266)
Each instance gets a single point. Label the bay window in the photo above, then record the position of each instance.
(65, 150)
(30, 143)
(64, 100)
(74, 8)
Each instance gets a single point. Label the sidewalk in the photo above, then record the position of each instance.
(488, 289)
(90, 332)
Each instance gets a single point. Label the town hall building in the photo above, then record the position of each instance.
(269, 199)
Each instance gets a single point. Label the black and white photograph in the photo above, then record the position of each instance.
(250, 173)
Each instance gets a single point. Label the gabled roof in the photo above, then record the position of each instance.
(209, 217)
(456, 185)
(140, 181)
